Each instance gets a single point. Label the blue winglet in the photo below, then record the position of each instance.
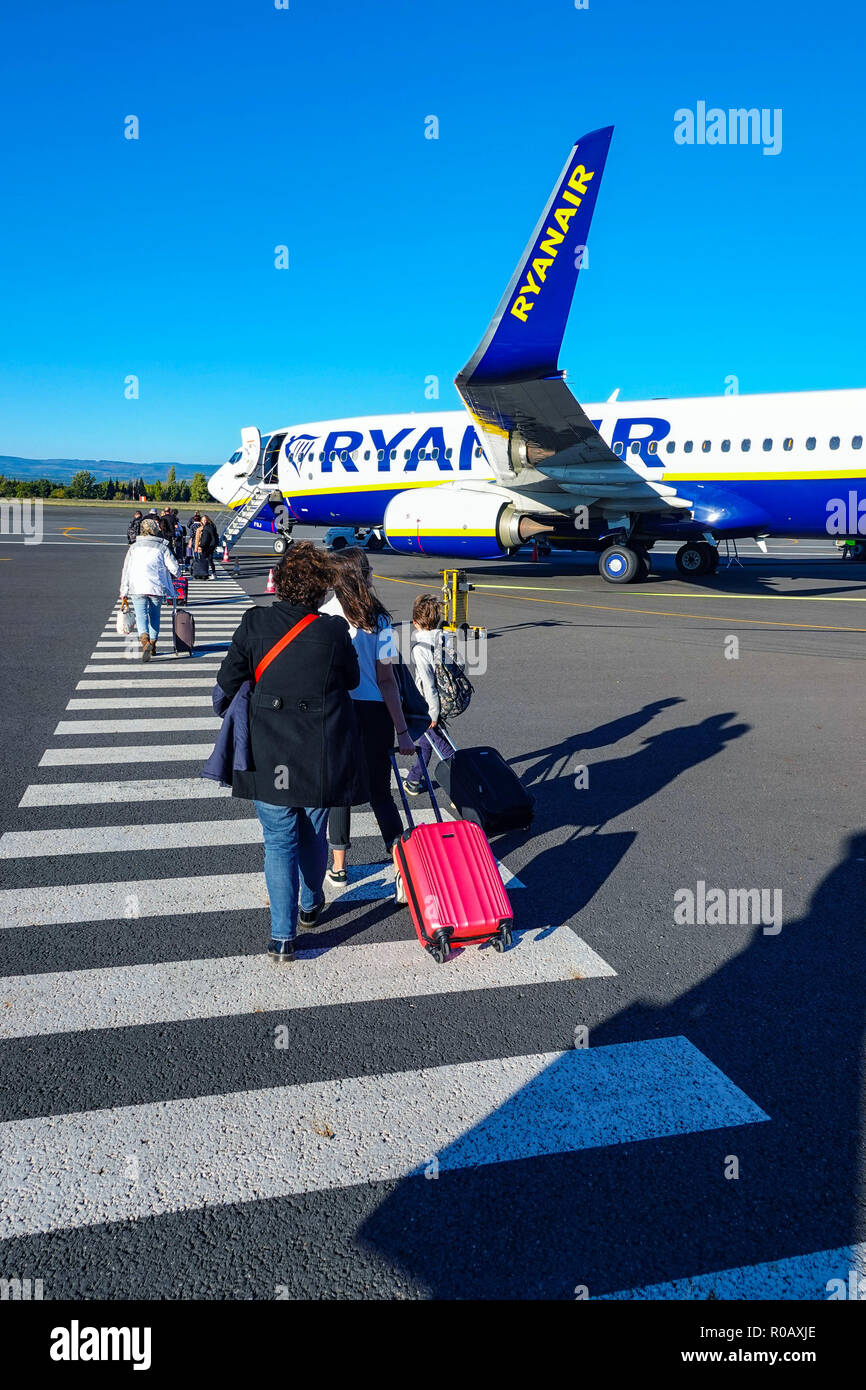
(525, 334)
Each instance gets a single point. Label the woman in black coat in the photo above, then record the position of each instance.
(302, 734)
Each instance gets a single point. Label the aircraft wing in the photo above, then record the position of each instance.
(536, 435)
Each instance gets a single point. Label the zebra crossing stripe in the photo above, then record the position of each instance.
(162, 665)
(137, 726)
(129, 839)
(170, 701)
(823, 1275)
(123, 996)
(109, 902)
(147, 681)
(105, 793)
(126, 753)
(73, 1170)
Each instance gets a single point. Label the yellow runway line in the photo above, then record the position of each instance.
(653, 612)
(685, 593)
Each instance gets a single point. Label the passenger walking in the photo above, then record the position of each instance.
(146, 580)
(303, 740)
(376, 701)
(206, 542)
(426, 617)
(134, 528)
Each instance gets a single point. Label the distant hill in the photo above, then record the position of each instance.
(63, 470)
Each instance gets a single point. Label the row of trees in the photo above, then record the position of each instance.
(85, 485)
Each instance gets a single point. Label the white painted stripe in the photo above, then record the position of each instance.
(132, 753)
(72, 1170)
(170, 701)
(820, 1276)
(109, 902)
(103, 793)
(130, 839)
(172, 666)
(36, 1005)
(147, 681)
(117, 644)
(136, 726)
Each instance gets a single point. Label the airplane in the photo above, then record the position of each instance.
(527, 462)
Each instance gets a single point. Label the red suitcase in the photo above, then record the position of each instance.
(451, 883)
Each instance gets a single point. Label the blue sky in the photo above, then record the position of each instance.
(305, 127)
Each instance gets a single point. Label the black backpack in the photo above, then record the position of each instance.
(133, 530)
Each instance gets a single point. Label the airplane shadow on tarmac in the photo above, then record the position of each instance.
(783, 1021)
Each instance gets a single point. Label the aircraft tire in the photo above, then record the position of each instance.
(645, 566)
(376, 543)
(619, 564)
(858, 550)
(281, 544)
(692, 559)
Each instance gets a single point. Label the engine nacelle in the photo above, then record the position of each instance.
(455, 522)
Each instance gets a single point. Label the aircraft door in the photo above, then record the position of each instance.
(270, 462)
(251, 448)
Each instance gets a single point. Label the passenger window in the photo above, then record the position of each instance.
(333, 456)
(652, 447)
(746, 445)
(393, 453)
(435, 453)
(617, 448)
(706, 446)
(810, 442)
(405, 453)
(478, 452)
(380, 454)
(321, 458)
(670, 446)
(857, 442)
(688, 446)
(767, 445)
(343, 456)
(635, 446)
(366, 453)
(726, 446)
(787, 445)
(448, 453)
(834, 442)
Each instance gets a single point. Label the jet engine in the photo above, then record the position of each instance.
(456, 522)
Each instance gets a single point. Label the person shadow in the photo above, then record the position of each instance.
(563, 879)
(699, 1139)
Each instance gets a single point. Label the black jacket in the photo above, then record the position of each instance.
(302, 728)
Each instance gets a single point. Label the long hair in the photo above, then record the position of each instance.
(360, 603)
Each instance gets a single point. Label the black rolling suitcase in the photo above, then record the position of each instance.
(183, 631)
(483, 788)
(200, 568)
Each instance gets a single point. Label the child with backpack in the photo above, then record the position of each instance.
(433, 658)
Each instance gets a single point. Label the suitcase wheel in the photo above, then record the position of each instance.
(503, 940)
(440, 950)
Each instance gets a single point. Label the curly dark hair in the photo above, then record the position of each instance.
(304, 576)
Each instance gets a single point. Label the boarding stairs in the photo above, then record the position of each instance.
(234, 520)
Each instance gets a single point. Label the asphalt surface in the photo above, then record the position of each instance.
(161, 1145)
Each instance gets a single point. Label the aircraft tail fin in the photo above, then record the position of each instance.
(525, 334)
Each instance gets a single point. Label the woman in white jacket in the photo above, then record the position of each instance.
(146, 580)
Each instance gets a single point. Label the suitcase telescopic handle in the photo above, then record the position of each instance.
(434, 803)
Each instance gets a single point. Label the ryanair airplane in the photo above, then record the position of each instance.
(528, 461)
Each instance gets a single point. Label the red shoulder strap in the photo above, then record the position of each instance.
(284, 641)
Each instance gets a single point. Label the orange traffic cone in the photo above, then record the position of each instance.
(270, 587)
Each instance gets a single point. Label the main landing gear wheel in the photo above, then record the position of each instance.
(376, 542)
(697, 558)
(281, 544)
(619, 564)
(857, 551)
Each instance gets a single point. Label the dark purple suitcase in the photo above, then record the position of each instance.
(183, 631)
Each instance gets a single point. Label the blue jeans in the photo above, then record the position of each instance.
(296, 856)
(443, 750)
(147, 614)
